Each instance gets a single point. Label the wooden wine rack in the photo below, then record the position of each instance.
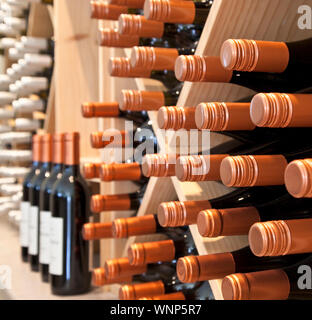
(81, 75)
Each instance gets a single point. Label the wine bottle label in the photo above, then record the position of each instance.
(33, 230)
(25, 206)
(44, 252)
(56, 246)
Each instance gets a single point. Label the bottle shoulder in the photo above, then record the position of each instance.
(69, 185)
(48, 183)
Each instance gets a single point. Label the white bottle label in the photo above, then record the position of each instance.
(56, 246)
(44, 252)
(33, 230)
(25, 206)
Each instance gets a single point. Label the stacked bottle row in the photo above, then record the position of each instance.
(270, 149)
(23, 89)
(55, 205)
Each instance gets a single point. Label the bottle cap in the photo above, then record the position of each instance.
(153, 58)
(134, 226)
(151, 252)
(271, 238)
(135, 4)
(102, 10)
(37, 147)
(159, 165)
(176, 118)
(95, 231)
(281, 237)
(132, 24)
(121, 267)
(136, 100)
(178, 213)
(111, 38)
(280, 110)
(249, 171)
(298, 178)
(99, 278)
(170, 11)
(221, 116)
(120, 171)
(100, 109)
(136, 291)
(226, 222)
(91, 170)
(72, 153)
(201, 69)
(206, 267)
(101, 203)
(47, 147)
(199, 168)
(262, 285)
(109, 139)
(254, 55)
(168, 296)
(58, 148)
(121, 67)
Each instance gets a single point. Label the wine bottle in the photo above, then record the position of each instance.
(111, 109)
(137, 100)
(45, 207)
(237, 221)
(290, 110)
(219, 265)
(91, 170)
(134, 226)
(43, 45)
(176, 34)
(209, 69)
(159, 165)
(258, 170)
(121, 267)
(180, 244)
(153, 58)
(280, 237)
(187, 12)
(25, 204)
(298, 177)
(121, 67)
(35, 84)
(99, 278)
(97, 230)
(69, 203)
(156, 288)
(34, 196)
(131, 171)
(180, 213)
(112, 38)
(27, 105)
(278, 284)
(285, 58)
(102, 10)
(118, 202)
